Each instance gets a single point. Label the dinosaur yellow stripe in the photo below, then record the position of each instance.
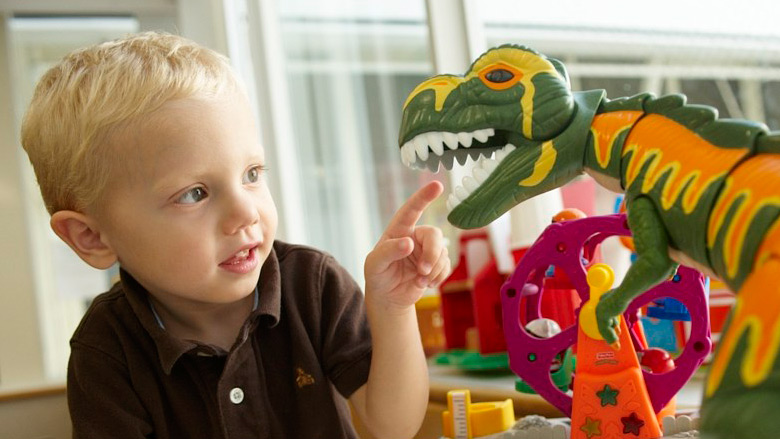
(753, 312)
(542, 166)
(691, 162)
(441, 85)
(753, 186)
(606, 128)
(770, 246)
(718, 214)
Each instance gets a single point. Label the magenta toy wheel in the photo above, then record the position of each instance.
(562, 245)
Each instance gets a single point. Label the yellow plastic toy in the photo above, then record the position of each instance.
(465, 420)
(600, 279)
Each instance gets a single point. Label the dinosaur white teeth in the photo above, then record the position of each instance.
(415, 152)
(450, 139)
(412, 153)
(490, 165)
(481, 170)
(470, 183)
(481, 135)
(421, 148)
(435, 142)
(407, 154)
(480, 174)
(461, 193)
(465, 139)
(452, 201)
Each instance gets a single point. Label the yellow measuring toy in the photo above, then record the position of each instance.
(464, 420)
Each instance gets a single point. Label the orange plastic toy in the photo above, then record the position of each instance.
(610, 398)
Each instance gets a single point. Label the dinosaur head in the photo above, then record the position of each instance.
(503, 113)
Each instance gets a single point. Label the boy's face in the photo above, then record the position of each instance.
(191, 217)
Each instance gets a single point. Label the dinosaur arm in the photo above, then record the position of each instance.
(652, 265)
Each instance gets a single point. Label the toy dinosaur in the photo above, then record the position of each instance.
(699, 191)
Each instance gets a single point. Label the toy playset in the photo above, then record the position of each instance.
(700, 192)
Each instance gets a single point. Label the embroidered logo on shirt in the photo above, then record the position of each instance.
(303, 379)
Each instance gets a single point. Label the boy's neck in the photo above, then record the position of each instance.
(214, 324)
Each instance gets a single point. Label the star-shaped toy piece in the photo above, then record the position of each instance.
(608, 396)
(632, 424)
(591, 427)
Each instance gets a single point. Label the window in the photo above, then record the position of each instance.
(64, 285)
(349, 71)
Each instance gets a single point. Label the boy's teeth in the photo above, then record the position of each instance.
(242, 253)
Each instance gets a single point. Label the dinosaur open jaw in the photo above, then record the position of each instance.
(427, 150)
(482, 170)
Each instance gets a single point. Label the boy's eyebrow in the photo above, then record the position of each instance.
(258, 158)
(169, 187)
(168, 182)
(175, 178)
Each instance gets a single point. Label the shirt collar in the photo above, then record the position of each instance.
(162, 325)
(267, 304)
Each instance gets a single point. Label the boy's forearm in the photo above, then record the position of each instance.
(397, 388)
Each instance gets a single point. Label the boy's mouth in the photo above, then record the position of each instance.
(242, 257)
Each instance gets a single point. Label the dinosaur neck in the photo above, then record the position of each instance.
(570, 145)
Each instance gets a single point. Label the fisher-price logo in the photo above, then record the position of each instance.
(605, 358)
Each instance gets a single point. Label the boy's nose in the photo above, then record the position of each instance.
(239, 212)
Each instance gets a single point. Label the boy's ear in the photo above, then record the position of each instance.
(81, 233)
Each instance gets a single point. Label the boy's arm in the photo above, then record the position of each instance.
(406, 260)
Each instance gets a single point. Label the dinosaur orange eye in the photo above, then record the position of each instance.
(500, 76)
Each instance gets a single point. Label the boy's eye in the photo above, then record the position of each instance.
(252, 175)
(192, 196)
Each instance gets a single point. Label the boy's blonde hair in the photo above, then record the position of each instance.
(79, 103)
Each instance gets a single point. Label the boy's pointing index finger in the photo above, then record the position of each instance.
(409, 213)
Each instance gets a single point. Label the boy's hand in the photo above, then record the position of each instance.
(408, 258)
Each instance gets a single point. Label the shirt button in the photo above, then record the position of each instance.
(236, 395)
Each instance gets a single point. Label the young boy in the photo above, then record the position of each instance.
(146, 153)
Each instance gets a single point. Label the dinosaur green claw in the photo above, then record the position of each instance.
(608, 324)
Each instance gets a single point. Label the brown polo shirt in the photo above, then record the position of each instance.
(305, 345)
